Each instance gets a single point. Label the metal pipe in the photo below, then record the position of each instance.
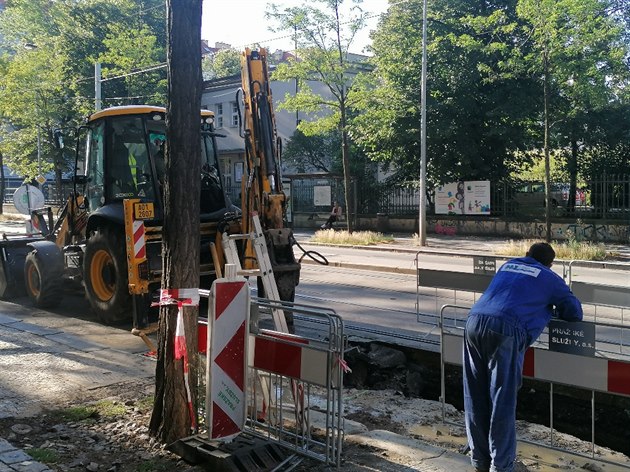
(422, 230)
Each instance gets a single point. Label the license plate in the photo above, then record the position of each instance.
(143, 211)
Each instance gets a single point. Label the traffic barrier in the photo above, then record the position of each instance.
(226, 375)
(597, 374)
(294, 382)
(304, 378)
(603, 366)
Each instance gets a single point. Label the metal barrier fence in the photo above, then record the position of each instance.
(305, 400)
(607, 371)
(607, 196)
(598, 374)
(295, 382)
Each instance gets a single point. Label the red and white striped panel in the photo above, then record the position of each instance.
(139, 247)
(592, 373)
(227, 357)
(291, 356)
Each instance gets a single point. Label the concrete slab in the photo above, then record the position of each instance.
(15, 456)
(318, 422)
(423, 456)
(33, 328)
(8, 319)
(5, 446)
(74, 342)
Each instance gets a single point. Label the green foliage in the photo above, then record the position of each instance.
(485, 92)
(578, 48)
(104, 408)
(50, 84)
(477, 106)
(317, 152)
(223, 63)
(323, 37)
(49, 456)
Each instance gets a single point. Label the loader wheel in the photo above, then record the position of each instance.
(105, 276)
(43, 282)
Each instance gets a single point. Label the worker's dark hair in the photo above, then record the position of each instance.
(542, 252)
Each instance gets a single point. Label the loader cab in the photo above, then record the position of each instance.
(123, 158)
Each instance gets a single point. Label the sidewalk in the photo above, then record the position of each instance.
(47, 358)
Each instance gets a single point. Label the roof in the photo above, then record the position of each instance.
(135, 110)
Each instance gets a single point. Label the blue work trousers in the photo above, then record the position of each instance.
(494, 349)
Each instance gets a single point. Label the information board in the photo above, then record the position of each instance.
(463, 198)
(575, 337)
(321, 196)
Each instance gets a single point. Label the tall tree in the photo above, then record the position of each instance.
(477, 107)
(223, 63)
(323, 38)
(317, 152)
(577, 51)
(170, 419)
(55, 74)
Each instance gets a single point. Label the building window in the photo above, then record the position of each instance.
(234, 120)
(219, 116)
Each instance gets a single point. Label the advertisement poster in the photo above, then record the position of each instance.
(463, 198)
(448, 200)
(477, 197)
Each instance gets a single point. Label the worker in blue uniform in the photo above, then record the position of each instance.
(505, 321)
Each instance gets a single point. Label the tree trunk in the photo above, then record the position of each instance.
(573, 166)
(170, 420)
(2, 183)
(347, 176)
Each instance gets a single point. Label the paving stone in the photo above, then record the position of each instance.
(75, 342)
(34, 328)
(5, 446)
(6, 319)
(31, 466)
(5, 468)
(15, 456)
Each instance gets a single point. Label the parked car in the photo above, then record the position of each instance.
(531, 196)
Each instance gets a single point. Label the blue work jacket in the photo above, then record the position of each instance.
(526, 291)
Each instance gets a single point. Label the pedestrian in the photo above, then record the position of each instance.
(335, 214)
(505, 321)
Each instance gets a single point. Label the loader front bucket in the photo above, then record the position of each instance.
(12, 257)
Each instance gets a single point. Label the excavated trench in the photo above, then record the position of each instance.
(416, 373)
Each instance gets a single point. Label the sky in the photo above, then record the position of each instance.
(242, 22)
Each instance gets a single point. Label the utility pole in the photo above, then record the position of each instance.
(97, 86)
(422, 229)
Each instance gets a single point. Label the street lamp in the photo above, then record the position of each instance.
(422, 226)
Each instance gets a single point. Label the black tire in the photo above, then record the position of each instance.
(43, 282)
(105, 276)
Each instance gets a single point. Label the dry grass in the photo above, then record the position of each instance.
(11, 217)
(569, 250)
(357, 238)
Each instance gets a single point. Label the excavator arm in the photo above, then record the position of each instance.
(261, 191)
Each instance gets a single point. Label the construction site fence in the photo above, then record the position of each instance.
(295, 381)
(611, 376)
(602, 196)
(606, 371)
